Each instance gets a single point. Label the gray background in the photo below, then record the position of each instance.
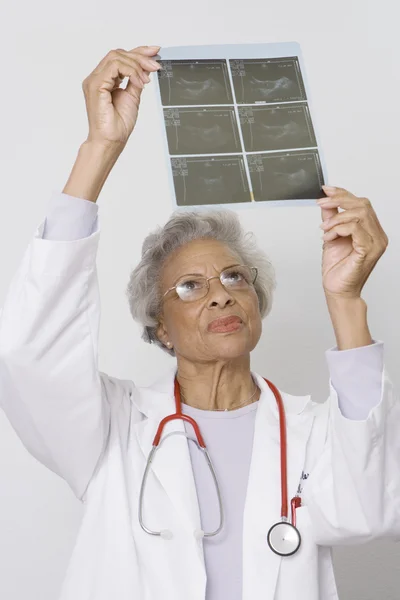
(47, 49)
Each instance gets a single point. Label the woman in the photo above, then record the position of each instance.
(200, 291)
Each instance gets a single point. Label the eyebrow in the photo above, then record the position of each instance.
(199, 274)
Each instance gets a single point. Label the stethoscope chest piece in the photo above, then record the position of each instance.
(284, 538)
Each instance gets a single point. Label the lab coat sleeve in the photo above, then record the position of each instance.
(356, 375)
(353, 490)
(50, 386)
(69, 218)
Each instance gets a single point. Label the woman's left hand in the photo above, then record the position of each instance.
(354, 241)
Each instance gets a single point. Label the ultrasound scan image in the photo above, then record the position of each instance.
(188, 82)
(276, 127)
(286, 175)
(267, 80)
(202, 130)
(211, 180)
(239, 130)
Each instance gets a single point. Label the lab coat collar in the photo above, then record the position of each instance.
(157, 400)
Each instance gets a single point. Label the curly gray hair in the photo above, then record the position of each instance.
(222, 225)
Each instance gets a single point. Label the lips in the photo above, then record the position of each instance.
(225, 324)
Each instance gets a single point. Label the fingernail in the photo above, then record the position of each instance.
(329, 188)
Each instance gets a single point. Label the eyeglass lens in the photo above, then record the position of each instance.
(193, 287)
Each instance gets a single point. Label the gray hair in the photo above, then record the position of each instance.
(143, 290)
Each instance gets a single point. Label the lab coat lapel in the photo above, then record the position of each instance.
(263, 501)
(172, 463)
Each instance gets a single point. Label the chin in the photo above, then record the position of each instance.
(229, 347)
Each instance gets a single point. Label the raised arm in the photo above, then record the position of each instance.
(50, 387)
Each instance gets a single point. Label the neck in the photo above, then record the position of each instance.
(217, 385)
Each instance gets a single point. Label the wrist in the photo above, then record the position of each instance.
(103, 147)
(90, 171)
(345, 304)
(349, 320)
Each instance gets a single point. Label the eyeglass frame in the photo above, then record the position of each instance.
(207, 279)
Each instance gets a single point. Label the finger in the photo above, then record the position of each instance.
(339, 202)
(343, 217)
(328, 213)
(334, 190)
(146, 50)
(142, 52)
(116, 63)
(362, 241)
(136, 80)
(364, 234)
(146, 62)
(117, 70)
(133, 90)
(145, 76)
(342, 199)
(366, 216)
(143, 62)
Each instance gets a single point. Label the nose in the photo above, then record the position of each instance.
(218, 295)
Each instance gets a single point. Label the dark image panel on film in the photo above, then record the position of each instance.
(267, 80)
(187, 82)
(277, 127)
(286, 175)
(202, 130)
(209, 180)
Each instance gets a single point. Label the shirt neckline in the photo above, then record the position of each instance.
(219, 414)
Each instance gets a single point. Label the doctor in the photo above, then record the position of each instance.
(165, 527)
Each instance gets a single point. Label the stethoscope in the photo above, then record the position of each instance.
(283, 537)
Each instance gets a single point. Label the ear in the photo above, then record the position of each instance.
(162, 334)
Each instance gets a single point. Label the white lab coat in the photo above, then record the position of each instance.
(96, 431)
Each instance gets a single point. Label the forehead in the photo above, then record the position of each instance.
(200, 256)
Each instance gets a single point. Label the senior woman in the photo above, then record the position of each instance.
(176, 526)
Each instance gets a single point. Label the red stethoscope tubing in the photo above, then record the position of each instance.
(296, 501)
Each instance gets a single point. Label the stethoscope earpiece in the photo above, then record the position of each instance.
(198, 534)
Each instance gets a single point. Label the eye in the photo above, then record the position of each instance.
(190, 285)
(236, 276)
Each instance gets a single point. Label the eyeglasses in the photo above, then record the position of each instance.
(193, 287)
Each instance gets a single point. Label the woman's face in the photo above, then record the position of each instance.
(189, 326)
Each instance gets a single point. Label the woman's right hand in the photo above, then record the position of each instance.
(113, 111)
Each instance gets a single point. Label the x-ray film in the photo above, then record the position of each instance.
(238, 126)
